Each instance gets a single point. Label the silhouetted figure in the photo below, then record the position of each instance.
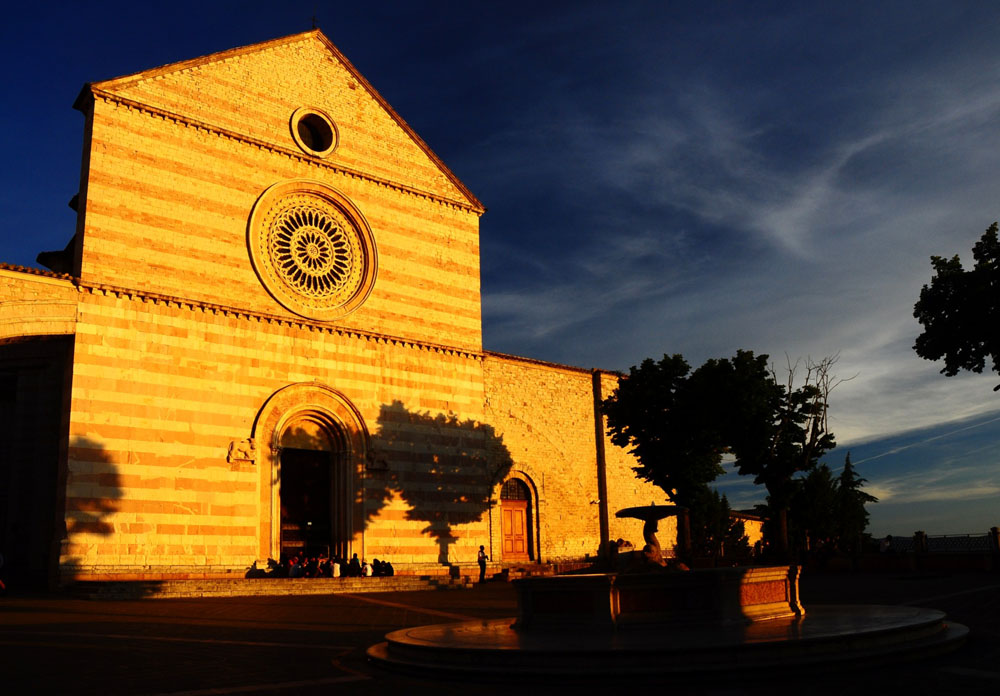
(354, 567)
(482, 558)
(387, 569)
(885, 546)
(255, 572)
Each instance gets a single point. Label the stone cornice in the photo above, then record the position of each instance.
(110, 97)
(265, 318)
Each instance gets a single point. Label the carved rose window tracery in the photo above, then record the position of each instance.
(312, 249)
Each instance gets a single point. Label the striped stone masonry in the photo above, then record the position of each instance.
(208, 418)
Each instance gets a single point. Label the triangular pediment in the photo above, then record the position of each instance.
(253, 91)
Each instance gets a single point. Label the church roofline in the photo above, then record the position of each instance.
(12, 268)
(91, 92)
(127, 80)
(546, 363)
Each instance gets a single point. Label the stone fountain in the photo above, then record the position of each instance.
(709, 623)
(651, 515)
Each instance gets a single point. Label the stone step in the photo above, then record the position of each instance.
(258, 587)
(430, 578)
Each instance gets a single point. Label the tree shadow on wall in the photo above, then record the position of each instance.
(91, 494)
(33, 472)
(443, 468)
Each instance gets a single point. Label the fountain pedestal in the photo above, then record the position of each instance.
(698, 597)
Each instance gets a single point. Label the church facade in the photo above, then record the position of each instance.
(266, 337)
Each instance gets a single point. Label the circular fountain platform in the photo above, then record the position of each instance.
(721, 621)
(828, 635)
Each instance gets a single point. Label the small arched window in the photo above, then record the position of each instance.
(513, 489)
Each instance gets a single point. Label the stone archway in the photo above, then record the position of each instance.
(313, 443)
(518, 520)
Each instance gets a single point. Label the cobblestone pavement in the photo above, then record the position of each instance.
(316, 644)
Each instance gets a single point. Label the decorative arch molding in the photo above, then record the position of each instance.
(321, 412)
(519, 474)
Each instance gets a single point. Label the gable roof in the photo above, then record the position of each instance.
(120, 84)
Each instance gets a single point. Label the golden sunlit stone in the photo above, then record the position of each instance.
(273, 341)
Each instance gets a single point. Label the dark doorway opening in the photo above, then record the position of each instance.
(33, 383)
(305, 502)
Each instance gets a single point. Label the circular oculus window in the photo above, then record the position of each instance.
(312, 249)
(314, 131)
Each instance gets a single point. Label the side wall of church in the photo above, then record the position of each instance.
(36, 305)
(544, 416)
(160, 390)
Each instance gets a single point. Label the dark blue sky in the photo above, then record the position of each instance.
(660, 177)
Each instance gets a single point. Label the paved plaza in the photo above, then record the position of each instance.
(316, 644)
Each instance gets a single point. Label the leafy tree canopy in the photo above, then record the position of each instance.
(657, 416)
(960, 310)
(773, 430)
(678, 424)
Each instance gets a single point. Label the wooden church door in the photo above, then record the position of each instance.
(514, 513)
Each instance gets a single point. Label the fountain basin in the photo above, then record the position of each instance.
(705, 623)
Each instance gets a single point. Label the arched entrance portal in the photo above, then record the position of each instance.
(314, 489)
(515, 516)
(312, 443)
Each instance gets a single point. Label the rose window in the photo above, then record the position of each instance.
(312, 249)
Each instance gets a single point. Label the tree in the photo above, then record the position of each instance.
(774, 430)
(814, 506)
(960, 310)
(678, 424)
(659, 418)
(851, 515)
(830, 509)
(714, 532)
